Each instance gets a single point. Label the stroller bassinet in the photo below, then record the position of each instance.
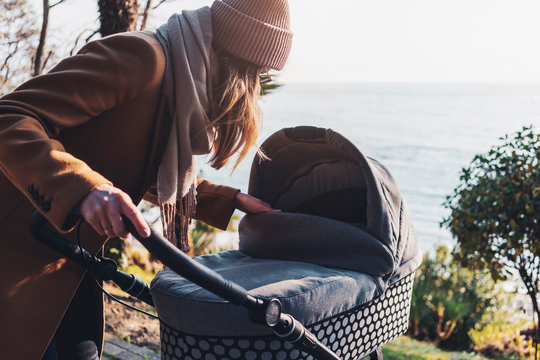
(340, 257)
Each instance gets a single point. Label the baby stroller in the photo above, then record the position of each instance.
(340, 258)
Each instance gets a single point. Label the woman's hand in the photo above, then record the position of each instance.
(103, 208)
(251, 205)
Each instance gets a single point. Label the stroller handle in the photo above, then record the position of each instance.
(182, 264)
(100, 268)
(284, 325)
(262, 311)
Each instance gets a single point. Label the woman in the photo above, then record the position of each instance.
(121, 120)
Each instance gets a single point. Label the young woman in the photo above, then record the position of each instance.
(120, 121)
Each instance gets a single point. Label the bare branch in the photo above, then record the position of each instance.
(42, 38)
(5, 65)
(145, 14)
(159, 3)
(6, 61)
(91, 35)
(77, 41)
(56, 3)
(45, 61)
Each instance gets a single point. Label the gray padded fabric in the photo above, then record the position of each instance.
(309, 160)
(309, 292)
(314, 239)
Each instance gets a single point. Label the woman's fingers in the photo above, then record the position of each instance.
(114, 223)
(252, 205)
(91, 211)
(136, 218)
(103, 208)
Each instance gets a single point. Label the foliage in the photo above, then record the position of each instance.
(202, 238)
(115, 248)
(449, 300)
(501, 337)
(268, 83)
(141, 273)
(405, 348)
(495, 211)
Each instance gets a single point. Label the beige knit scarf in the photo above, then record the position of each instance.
(187, 41)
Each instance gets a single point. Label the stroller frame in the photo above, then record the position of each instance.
(353, 334)
(262, 311)
(360, 331)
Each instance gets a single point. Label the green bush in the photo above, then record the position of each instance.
(503, 338)
(115, 248)
(449, 300)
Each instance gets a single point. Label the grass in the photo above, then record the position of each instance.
(405, 348)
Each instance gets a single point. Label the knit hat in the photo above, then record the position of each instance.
(257, 31)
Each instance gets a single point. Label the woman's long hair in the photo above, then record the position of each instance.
(236, 116)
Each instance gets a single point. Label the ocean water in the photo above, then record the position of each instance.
(423, 133)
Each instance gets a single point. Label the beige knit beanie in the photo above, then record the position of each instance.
(257, 31)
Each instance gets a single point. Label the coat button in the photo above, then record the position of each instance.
(46, 206)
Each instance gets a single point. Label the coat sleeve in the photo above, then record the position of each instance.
(103, 74)
(215, 203)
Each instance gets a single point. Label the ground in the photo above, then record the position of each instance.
(129, 325)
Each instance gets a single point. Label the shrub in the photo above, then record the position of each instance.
(449, 300)
(500, 338)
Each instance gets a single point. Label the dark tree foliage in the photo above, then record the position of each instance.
(495, 212)
(117, 16)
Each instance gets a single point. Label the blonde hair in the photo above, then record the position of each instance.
(236, 119)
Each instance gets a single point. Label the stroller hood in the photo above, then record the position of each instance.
(340, 208)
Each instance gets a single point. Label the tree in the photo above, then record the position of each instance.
(18, 35)
(495, 213)
(23, 53)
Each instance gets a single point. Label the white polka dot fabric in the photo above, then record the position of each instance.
(351, 335)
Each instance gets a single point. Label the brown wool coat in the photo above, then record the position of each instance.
(98, 117)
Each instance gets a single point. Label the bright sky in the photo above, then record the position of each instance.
(389, 40)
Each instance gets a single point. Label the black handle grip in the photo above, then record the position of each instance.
(133, 286)
(195, 272)
(102, 269)
(56, 242)
(294, 332)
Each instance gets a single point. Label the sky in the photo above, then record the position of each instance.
(387, 40)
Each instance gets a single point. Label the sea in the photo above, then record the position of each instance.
(424, 133)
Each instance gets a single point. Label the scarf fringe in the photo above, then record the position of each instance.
(173, 229)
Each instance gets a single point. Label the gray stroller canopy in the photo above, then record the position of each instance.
(340, 258)
(340, 208)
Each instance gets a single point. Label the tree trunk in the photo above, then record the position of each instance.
(532, 289)
(38, 65)
(117, 16)
(146, 13)
(536, 323)
(449, 327)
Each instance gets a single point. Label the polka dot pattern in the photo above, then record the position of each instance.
(351, 335)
